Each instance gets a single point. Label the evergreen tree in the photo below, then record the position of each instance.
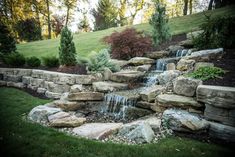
(7, 42)
(159, 22)
(67, 51)
(105, 15)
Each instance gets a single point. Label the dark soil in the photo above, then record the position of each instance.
(226, 63)
(174, 41)
(77, 69)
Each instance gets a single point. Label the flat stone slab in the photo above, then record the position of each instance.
(126, 76)
(221, 131)
(141, 61)
(105, 86)
(97, 130)
(85, 96)
(222, 115)
(69, 105)
(180, 120)
(172, 100)
(149, 94)
(218, 96)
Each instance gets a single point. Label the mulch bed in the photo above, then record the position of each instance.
(226, 63)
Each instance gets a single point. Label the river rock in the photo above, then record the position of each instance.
(222, 115)
(202, 64)
(172, 100)
(220, 131)
(109, 86)
(185, 64)
(85, 96)
(140, 61)
(40, 113)
(69, 105)
(186, 86)
(158, 54)
(180, 120)
(218, 96)
(126, 76)
(149, 94)
(168, 76)
(97, 130)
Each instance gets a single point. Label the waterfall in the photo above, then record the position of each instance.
(117, 105)
(161, 64)
(182, 53)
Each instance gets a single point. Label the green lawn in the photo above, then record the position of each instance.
(21, 138)
(87, 42)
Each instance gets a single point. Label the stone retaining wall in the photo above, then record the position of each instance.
(52, 84)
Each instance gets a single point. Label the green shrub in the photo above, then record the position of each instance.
(33, 61)
(50, 61)
(67, 51)
(217, 32)
(101, 61)
(14, 59)
(159, 23)
(206, 73)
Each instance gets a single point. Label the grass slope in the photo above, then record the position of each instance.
(87, 42)
(21, 138)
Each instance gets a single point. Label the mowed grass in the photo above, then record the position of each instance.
(87, 42)
(19, 137)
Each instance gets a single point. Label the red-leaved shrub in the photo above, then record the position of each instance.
(128, 44)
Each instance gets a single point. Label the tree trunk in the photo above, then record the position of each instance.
(210, 4)
(67, 17)
(185, 7)
(48, 19)
(190, 7)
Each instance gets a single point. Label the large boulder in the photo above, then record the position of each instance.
(180, 120)
(206, 55)
(85, 96)
(140, 61)
(172, 100)
(40, 113)
(185, 64)
(149, 94)
(126, 76)
(168, 76)
(222, 115)
(140, 133)
(109, 86)
(186, 86)
(218, 96)
(69, 105)
(97, 130)
(220, 131)
(64, 119)
(158, 54)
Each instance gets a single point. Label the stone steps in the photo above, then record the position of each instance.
(127, 76)
(109, 86)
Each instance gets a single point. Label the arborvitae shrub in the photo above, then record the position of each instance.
(128, 44)
(159, 23)
(7, 42)
(50, 61)
(33, 61)
(67, 51)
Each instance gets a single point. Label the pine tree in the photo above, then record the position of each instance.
(159, 22)
(7, 42)
(67, 51)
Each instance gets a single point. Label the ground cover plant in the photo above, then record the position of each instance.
(22, 138)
